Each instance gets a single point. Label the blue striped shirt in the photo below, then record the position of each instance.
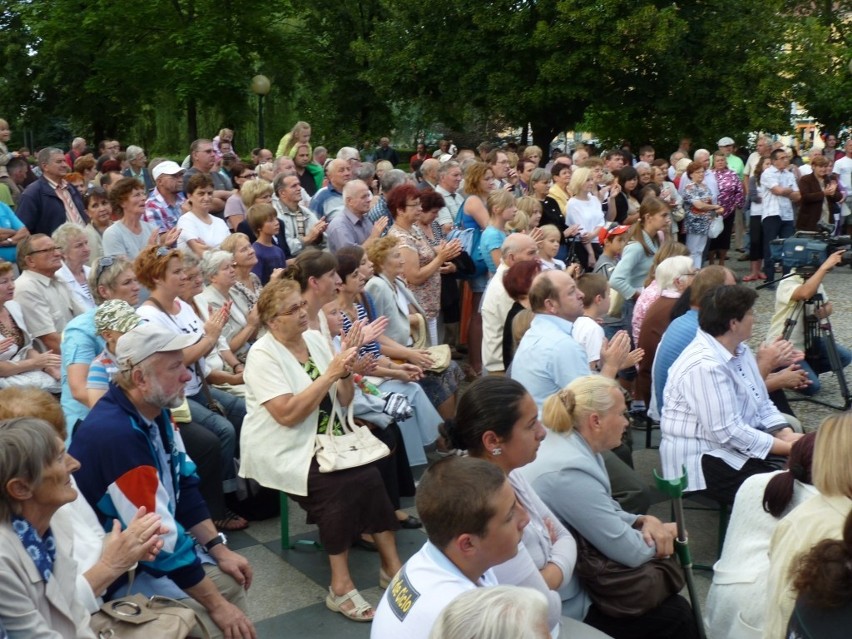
(715, 403)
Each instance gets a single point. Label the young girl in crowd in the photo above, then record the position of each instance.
(549, 247)
(501, 209)
(531, 207)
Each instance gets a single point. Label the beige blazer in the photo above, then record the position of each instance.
(29, 607)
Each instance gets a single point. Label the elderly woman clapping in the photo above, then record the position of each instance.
(241, 329)
(294, 385)
(38, 593)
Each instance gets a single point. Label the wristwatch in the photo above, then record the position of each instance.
(218, 539)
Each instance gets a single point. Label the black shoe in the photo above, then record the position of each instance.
(366, 545)
(411, 523)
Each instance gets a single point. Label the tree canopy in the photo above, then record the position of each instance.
(164, 71)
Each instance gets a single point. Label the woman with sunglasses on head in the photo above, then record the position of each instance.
(111, 277)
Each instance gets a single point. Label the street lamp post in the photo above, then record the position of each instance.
(260, 87)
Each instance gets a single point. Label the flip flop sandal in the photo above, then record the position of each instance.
(360, 606)
(231, 522)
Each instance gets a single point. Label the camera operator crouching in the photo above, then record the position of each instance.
(809, 291)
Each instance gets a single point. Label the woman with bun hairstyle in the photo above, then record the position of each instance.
(584, 419)
(737, 598)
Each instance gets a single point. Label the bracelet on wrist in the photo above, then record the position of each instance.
(347, 376)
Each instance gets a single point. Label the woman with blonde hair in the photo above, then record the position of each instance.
(501, 210)
(533, 153)
(643, 242)
(585, 419)
(478, 180)
(584, 210)
(821, 517)
(73, 242)
(295, 385)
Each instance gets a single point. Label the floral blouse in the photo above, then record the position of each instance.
(731, 194)
(696, 224)
(428, 293)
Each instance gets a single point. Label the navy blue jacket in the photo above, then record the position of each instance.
(41, 210)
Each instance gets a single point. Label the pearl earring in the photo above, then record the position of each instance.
(497, 452)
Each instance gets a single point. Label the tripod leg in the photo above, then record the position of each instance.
(836, 364)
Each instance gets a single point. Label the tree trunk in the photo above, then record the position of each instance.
(192, 119)
(543, 134)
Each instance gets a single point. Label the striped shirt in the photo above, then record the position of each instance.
(715, 403)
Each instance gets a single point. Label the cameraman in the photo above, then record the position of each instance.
(797, 289)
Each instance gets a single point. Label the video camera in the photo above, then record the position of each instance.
(807, 250)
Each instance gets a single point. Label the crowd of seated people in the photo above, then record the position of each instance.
(166, 332)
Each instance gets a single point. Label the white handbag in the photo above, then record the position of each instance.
(716, 227)
(356, 447)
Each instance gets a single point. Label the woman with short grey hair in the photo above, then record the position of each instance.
(241, 330)
(73, 241)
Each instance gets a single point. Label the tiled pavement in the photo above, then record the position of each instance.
(287, 597)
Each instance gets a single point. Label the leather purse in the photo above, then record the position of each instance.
(138, 617)
(356, 447)
(620, 591)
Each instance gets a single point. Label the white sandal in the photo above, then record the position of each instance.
(357, 613)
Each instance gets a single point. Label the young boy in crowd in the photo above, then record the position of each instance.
(263, 221)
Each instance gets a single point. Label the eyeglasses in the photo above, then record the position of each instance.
(293, 309)
(413, 205)
(52, 249)
(103, 264)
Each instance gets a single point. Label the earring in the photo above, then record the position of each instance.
(497, 452)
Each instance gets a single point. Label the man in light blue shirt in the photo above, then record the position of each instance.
(548, 357)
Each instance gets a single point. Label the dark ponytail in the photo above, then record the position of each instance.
(779, 490)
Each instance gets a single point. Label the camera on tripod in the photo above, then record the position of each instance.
(807, 250)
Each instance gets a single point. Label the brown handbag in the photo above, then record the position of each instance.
(620, 591)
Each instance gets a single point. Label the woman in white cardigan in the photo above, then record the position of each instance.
(292, 385)
(737, 599)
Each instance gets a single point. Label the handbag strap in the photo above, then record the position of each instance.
(459, 213)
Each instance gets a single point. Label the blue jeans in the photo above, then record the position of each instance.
(773, 228)
(821, 364)
(225, 428)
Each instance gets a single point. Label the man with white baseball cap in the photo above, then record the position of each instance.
(135, 457)
(735, 163)
(165, 204)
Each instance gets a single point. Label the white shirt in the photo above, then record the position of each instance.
(496, 305)
(185, 322)
(427, 583)
(192, 228)
(452, 202)
(777, 204)
(715, 403)
(843, 170)
(590, 335)
(587, 213)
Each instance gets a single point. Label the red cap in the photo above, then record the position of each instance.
(604, 234)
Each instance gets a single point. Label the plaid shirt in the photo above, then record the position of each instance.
(158, 212)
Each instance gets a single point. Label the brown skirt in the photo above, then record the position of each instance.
(346, 503)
